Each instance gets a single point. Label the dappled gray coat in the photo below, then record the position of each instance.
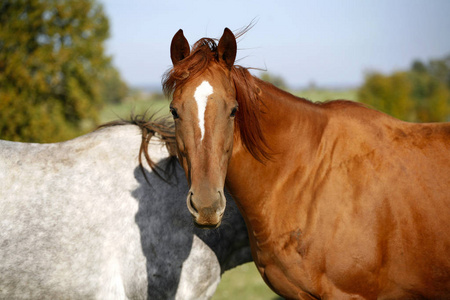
(79, 221)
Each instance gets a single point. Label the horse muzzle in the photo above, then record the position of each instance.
(207, 208)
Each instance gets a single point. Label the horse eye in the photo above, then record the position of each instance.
(174, 113)
(233, 112)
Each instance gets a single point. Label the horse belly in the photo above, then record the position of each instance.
(308, 283)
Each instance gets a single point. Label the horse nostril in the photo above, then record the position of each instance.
(192, 203)
(223, 202)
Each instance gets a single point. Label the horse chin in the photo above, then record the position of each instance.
(207, 226)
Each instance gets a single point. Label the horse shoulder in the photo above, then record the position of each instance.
(373, 189)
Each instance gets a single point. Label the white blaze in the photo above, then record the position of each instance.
(201, 95)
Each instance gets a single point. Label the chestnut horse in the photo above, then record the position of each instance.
(340, 201)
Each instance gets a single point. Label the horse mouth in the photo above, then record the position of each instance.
(206, 226)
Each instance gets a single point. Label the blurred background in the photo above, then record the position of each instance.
(67, 66)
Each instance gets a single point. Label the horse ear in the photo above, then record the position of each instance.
(179, 48)
(227, 48)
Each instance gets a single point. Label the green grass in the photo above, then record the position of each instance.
(138, 105)
(243, 282)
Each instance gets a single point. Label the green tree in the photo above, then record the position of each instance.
(440, 68)
(419, 95)
(418, 66)
(52, 68)
(114, 90)
(432, 89)
(390, 94)
(431, 97)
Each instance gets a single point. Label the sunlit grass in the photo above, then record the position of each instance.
(243, 282)
(137, 106)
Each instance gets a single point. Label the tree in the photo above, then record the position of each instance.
(390, 94)
(421, 94)
(431, 97)
(432, 89)
(440, 68)
(52, 68)
(114, 90)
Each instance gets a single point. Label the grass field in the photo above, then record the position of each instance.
(137, 105)
(243, 282)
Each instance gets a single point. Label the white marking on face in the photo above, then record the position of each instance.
(201, 95)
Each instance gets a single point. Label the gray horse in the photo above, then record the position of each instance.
(79, 220)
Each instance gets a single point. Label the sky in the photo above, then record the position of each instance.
(328, 43)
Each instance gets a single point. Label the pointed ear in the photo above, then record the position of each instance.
(227, 48)
(179, 48)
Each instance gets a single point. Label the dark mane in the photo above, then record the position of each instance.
(203, 53)
(163, 129)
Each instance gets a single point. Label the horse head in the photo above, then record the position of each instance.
(204, 107)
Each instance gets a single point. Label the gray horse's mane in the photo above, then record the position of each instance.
(164, 129)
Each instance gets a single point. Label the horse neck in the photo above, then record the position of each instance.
(293, 128)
